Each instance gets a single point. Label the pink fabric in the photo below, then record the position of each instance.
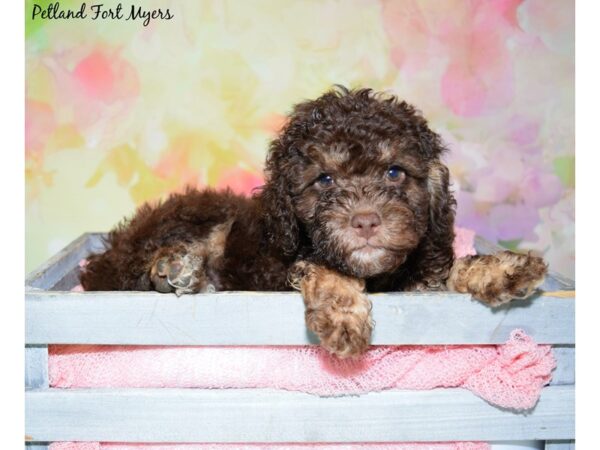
(307, 446)
(510, 376)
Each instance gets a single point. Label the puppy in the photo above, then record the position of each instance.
(356, 199)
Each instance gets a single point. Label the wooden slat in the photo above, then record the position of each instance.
(565, 365)
(68, 281)
(36, 445)
(36, 366)
(251, 318)
(55, 268)
(93, 244)
(553, 282)
(248, 415)
(560, 445)
(527, 444)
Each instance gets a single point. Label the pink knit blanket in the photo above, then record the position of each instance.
(510, 375)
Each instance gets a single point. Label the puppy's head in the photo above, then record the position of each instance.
(355, 181)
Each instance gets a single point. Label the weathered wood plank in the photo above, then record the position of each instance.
(565, 365)
(96, 241)
(68, 281)
(55, 268)
(251, 318)
(36, 445)
(517, 445)
(196, 415)
(36, 366)
(560, 445)
(553, 282)
(36, 377)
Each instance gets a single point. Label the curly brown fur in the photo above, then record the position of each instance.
(221, 234)
(191, 268)
(356, 191)
(497, 279)
(337, 309)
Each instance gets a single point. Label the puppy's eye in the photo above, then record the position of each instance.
(396, 174)
(325, 180)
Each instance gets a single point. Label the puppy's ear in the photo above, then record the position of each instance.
(435, 256)
(436, 253)
(279, 219)
(441, 200)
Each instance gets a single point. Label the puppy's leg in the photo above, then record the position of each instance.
(497, 279)
(337, 309)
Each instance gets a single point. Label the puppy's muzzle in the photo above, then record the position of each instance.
(366, 225)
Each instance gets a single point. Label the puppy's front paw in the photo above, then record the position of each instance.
(337, 310)
(497, 279)
(344, 327)
(176, 271)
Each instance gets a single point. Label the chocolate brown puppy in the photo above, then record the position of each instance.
(356, 199)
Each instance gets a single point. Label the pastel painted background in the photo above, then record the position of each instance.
(118, 113)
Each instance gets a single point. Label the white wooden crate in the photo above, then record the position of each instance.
(54, 315)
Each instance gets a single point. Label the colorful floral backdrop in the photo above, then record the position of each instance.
(118, 113)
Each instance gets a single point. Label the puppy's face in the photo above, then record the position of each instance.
(363, 203)
(354, 180)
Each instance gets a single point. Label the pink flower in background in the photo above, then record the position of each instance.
(469, 39)
(499, 179)
(239, 181)
(479, 78)
(106, 77)
(513, 221)
(274, 123)
(540, 188)
(471, 87)
(176, 167)
(503, 199)
(472, 215)
(523, 131)
(96, 76)
(39, 125)
(406, 25)
(97, 94)
(506, 222)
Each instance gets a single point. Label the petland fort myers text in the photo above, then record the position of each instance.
(99, 11)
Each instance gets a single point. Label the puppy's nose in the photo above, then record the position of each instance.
(366, 224)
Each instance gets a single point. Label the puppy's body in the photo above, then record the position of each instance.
(356, 198)
(226, 235)
(222, 231)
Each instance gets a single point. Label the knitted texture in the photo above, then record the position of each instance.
(510, 375)
(307, 446)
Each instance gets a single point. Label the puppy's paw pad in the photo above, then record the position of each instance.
(525, 273)
(158, 275)
(174, 273)
(528, 276)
